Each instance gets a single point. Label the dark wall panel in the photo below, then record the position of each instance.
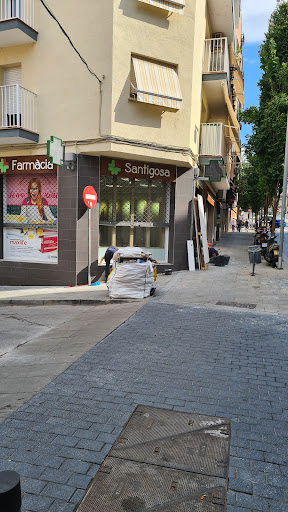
(88, 175)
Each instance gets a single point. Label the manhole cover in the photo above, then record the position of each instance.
(235, 304)
(177, 440)
(164, 461)
(126, 486)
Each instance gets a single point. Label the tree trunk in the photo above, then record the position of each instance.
(275, 206)
(266, 204)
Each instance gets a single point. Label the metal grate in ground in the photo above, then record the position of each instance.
(164, 461)
(236, 304)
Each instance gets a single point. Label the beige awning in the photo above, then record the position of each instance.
(232, 114)
(169, 5)
(238, 76)
(155, 83)
(234, 129)
(235, 140)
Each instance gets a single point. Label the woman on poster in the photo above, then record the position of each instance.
(35, 208)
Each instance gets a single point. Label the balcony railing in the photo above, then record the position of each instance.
(22, 9)
(212, 139)
(17, 108)
(216, 56)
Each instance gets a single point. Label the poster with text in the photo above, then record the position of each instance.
(30, 244)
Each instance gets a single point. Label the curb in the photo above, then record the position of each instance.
(65, 302)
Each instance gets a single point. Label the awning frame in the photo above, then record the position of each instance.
(155, 83)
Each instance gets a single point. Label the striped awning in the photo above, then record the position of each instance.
(155, 83)
(169, 5)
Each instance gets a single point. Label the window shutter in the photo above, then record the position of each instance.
(12, 78)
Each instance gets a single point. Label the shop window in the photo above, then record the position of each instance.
(30, 217)
(134, 212)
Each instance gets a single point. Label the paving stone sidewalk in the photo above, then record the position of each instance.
(202, 360)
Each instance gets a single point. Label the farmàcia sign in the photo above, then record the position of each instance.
(137, 169)
(26, 165)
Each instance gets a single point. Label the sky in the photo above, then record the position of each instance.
(255, 15)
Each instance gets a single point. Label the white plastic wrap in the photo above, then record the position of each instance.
(131, 280)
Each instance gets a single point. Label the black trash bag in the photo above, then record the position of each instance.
(221, 261)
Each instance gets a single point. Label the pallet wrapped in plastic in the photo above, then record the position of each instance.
(132, 279)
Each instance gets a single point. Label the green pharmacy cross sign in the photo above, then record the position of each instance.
(55, 150)
(114, 167)
(4, 166)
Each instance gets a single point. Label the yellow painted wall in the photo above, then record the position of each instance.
(67, 95)
(106, 33)
(154, 33)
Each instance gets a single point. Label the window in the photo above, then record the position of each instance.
(134, 212)
(169, 5)
(30, 203)
(12, 97)
(156, 83)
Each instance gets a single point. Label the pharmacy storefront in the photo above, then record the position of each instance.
(29, 210)
(135, 206)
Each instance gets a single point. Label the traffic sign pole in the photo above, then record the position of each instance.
(89, 246)
(90, 200)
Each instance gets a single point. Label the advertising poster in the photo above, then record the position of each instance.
(30, 204)
(30, 244)
(30, 199)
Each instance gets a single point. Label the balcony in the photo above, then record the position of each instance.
(212, 140)
(216, 72)
(212, 152)
(17, 22)
(17, 115)
(222, 14)
(216, 56)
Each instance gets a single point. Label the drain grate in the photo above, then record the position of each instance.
(236, 304)
(164, 461)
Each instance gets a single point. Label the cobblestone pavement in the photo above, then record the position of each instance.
(196, 359)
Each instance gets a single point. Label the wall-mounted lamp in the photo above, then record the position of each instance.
(70, 161)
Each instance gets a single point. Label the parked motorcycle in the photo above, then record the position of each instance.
(261, 236)
(271, 252)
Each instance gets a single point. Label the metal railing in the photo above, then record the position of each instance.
(22, 9)
(17, 108)
(216, 56)
(212, 139)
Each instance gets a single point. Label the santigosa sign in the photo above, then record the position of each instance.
(140, 170)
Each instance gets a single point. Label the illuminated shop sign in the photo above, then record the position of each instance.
(140, 170)
(27, 165)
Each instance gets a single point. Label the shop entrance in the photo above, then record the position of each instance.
(135, 212)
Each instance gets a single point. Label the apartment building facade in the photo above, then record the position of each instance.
(147, 102)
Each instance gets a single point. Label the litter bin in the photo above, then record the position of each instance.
(254, 252)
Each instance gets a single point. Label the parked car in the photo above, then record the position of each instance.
(278, 223)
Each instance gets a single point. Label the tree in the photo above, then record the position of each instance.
(250, 188)
(265, 148)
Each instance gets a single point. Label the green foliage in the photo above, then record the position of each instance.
(265, 148)
(250, 187)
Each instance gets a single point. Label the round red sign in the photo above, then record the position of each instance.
(90, 197)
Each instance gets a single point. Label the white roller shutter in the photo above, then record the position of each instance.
(12, 76)
(12, 81)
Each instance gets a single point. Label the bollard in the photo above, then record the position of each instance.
(10, 491)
